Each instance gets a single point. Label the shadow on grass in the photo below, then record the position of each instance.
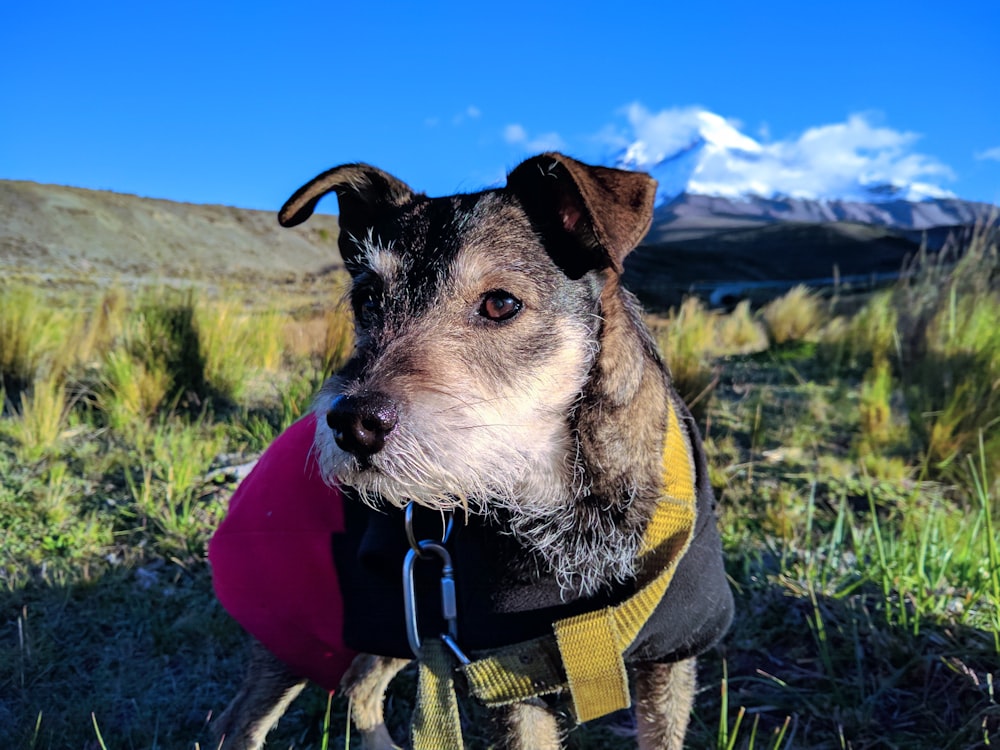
(149, 652)
(844, 676)
(153, 656)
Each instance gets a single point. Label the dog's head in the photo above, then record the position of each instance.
(479, 323)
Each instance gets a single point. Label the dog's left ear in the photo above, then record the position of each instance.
(592, 217)
(363, 192)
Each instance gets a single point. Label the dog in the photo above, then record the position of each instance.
(503, 374)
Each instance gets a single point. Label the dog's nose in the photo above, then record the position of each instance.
(361, 423)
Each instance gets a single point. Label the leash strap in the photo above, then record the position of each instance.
(515, 673)
(436, 724)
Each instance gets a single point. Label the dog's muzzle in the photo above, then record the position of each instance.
(361, 423)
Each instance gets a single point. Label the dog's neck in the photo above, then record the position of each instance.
(593, 539)
(622, 416)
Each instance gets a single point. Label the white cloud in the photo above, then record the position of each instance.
(472, 112)
(516, 135)
(672, 130)
(990, 154)
(691, 148)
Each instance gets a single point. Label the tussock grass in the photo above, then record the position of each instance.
(41, 419)
(795, 316)
(167, 484)
(947, 361)
(739, 332)
(28, 337)
(878, 428)
(166, 339)
(692, 336)
(686, 339)
(130, 390)
(236, 346)
(101, 328)
(868, 336)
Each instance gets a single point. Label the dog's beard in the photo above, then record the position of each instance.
(448, 454)
(584, 544)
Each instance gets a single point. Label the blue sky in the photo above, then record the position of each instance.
(239, 103)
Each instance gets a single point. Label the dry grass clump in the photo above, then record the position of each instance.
(868, 336)
(236, 345)
(929, 348)
(795, 316)
(29, 336)
(949, 362)
(40, 420)
(691, 337)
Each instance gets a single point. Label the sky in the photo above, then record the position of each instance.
(240, 103)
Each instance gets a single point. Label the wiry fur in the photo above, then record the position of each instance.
(551, 422)
(497, 445)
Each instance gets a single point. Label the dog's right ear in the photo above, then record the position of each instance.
(363, 191)
(591, 217)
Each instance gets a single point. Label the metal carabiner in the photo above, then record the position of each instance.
(449, 608)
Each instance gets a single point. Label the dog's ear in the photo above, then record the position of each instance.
(363, 191)
(592, 217)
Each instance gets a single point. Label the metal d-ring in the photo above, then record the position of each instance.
(447, 522)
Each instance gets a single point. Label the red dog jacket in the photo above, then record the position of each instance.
(272, 561)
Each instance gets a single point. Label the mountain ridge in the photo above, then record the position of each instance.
(717, 248)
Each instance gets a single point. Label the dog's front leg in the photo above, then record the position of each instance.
(664, 696)
(267, 690)
(529, 725)
(365, 683)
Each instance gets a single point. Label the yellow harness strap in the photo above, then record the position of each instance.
(592, 645)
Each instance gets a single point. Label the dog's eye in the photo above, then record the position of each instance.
(368, 309)
(366, 305)
(499, 305)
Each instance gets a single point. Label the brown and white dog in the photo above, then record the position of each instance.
(502, 371)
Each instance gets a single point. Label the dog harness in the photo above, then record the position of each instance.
(587, 652)
(274, 572)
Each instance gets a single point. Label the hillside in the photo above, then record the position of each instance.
(729, 262)
(63, 232)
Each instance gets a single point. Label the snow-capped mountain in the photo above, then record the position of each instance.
(713, 176)
(739, 218)
(690, 150)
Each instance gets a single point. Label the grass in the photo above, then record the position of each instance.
(794, 316)
(29, 337)
(856, 458)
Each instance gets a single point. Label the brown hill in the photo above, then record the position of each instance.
(725, 265)
(63, 231)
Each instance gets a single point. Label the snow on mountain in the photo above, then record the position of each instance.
(691, 150)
